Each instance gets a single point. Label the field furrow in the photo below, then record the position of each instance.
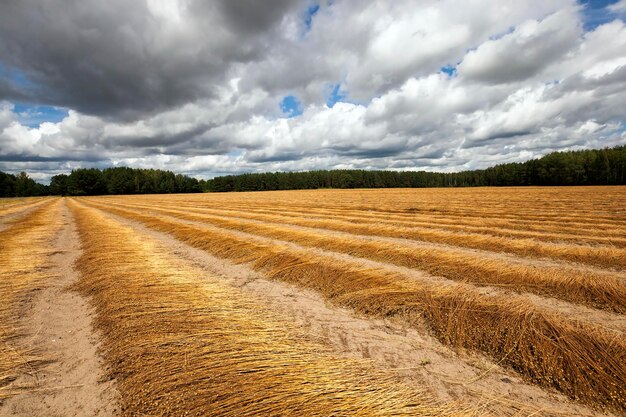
(15, 211)
(597, 232)
(595, 289)
(603, 318)
(25, 250)
(180, 342)
(609, 236)
(12, 202)
(604, 256)
(585, 362)
(579, 208)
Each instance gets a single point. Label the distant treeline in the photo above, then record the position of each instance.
(20, 186)
(588, 167)
(122, 180)
(98, 182)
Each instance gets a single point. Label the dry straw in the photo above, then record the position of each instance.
(603, 256)
(14, 211)
(505, 228)
(588, 211)
(603, 290)
(182, 343)
(488, 216)
(584, 362)
(25, 249)
(311, 216)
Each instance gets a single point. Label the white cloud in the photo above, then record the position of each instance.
(529, 81)
(619, 7)
(523, 53)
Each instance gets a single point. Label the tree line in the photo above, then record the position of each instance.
(587, 167)
(20, 185)
(92, 181)
(122, 180)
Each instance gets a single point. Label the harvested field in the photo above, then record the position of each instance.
(13, 211)
(184, 346)
(522, 285)
(25, 249)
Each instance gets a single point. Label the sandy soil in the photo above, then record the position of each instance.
(610, 321)
(417, 357)
(58, 323)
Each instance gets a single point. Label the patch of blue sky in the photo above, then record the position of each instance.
(310, 13)
(15, 77)
(291, 106)
(597, 12)
(502, 34)
(552, 82)
(34, 115)
(449, 70)
(335, 95)
(235, 153)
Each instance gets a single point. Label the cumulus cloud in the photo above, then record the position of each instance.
(618, 7)
(129, 58)
(196, 86)
(523, 53)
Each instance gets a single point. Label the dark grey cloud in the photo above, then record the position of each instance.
(160, 139)
(37, 158)
(282, 157)
(251, 16)
(127, 59)
(376, 152)
(502, 137)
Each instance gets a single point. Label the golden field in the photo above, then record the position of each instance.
(531, 281)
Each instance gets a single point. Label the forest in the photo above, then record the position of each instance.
(587, 167)
(20, 185)
(92, 181)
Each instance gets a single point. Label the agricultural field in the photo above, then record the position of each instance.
(416, 302)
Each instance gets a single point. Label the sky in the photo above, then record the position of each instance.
(231, 86)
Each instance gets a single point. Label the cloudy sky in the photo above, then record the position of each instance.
(227, 86)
